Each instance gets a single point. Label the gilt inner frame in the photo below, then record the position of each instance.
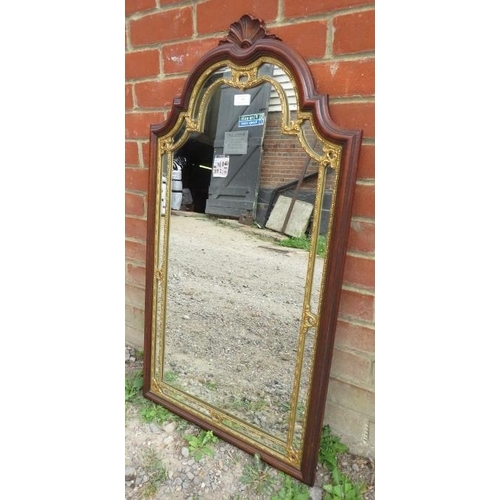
(242, 77)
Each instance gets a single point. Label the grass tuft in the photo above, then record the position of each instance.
(340, 487)
(304, 243)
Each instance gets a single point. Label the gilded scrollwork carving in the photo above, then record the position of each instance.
(166, 145)
(293, 456)
(155, 386)
(331, 156)
(191, 124)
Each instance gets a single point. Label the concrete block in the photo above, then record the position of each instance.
(355, 429)
(134, 317)
(345, 421)
(352, 397)
(134, 337)
(299, 218)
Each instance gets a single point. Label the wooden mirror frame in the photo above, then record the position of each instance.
(247, 41)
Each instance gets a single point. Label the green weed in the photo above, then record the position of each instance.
(211, 385)
(155, 470)
(149, 411)
(344, 490)
(133, 385)
(153, 413)
(330, 447)
(245, 404)
(258, 476)
(341, 487)
(200, 445)
(291, 490)
(170, 377)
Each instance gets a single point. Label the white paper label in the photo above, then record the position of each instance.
(242, 99)
(221, 166)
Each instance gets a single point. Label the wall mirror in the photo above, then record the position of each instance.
(248, 116)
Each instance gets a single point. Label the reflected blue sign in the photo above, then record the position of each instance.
(251, 120)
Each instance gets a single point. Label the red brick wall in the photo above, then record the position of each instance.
(163, 40)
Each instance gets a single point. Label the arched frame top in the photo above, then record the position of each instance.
(252, 43)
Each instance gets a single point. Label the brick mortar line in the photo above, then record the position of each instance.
(368, 142)
(366, 289)
(367, 386)
(363, 354)
(357, 56)
(194, 18)
(361, 255)
(364, 387)
(352, 99)
(132, 306)
(136, 217)
(330, 37)
(136, 284)
(140, 150)
(365, 182)
(358, 289)
(158, 78)
(139, 167)
(281, 11)
(368, 220)
(130, 191)
(359, 385)
(134, 240)
(139, 263)
(146, 110)
(357, 322)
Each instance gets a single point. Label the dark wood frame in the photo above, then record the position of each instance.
(248, 40)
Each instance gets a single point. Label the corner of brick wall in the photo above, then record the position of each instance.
(162, 44)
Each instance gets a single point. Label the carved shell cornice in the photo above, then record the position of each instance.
(247, 31)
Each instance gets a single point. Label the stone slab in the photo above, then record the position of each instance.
(299, 218)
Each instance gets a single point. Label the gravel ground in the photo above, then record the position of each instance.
(221, 477)
(253, 289)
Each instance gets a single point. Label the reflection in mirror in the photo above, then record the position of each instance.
(234, 309)
(211, 355)
(250, 362)
(236, 320)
